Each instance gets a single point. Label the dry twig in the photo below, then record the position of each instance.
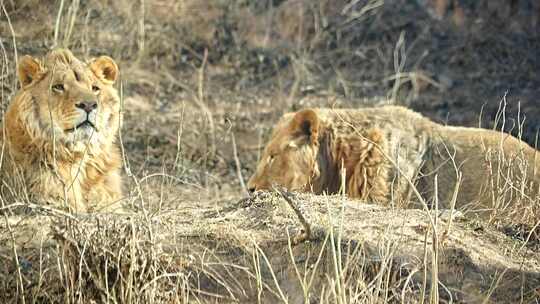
(305, 234)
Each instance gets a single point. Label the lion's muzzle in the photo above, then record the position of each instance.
(87, 105)
(87, 117)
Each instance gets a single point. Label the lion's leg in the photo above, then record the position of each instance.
(112, 186)
(46, 187)
(106, 193)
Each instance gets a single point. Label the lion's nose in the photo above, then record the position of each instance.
(251, 186)
(87, 105)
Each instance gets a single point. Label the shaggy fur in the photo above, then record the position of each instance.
(380, 149)
(58, 136)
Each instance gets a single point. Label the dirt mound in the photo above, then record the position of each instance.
(267, 249)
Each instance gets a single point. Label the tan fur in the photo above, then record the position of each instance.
(48, 155)
(381, 148)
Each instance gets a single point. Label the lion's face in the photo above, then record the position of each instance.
(69, 101)
(289, 158)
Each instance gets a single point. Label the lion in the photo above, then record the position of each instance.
(58, 141)
(393, 155)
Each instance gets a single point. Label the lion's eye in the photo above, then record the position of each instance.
(95, 89)
(58, 88)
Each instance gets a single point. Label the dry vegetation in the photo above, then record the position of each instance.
(203, 81)
(247, 252)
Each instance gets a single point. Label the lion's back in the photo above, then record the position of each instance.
(496, 169)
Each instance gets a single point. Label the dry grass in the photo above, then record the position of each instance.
(195, 89)
(244, 252)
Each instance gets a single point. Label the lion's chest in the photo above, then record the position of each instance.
(72, 176)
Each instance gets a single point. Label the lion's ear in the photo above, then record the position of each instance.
(29, 70)
(306, 123)
(105, 68)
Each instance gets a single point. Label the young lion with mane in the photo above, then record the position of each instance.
(384, 150)
(58, 136)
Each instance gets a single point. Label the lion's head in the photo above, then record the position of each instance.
(321, 151)
(66, 101)
(290, 157)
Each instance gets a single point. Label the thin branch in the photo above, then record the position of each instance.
(305, 235)
(14, 41)
(238, 165)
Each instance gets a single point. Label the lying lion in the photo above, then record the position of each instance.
(379, 154)
(58, 138)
